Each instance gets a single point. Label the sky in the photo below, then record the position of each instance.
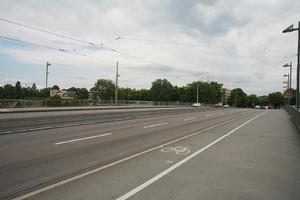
(237, 43)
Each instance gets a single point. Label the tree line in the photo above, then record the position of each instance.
(161, 90)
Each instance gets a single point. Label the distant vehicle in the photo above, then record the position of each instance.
(196, 105)
(226, 106)
(218, 105)
(270, 107)
(265, 107)
(257, 107)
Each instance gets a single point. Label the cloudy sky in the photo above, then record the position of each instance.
(238, 43)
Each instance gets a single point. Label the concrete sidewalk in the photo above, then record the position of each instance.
(259, 161)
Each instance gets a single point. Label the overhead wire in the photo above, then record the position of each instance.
(51, 33)
(197, 44)
(108, 18)
(73, 51)
(76, 40)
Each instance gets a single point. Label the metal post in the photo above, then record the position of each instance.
(298, 61)
(116, 89)
(47, 76)
(288, 89)
(47, 72)
(291, 93)
(198, 92)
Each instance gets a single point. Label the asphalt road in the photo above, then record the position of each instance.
(213, 154)
(30, 121)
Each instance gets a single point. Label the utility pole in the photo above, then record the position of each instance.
(290, 92)
(198, 92)
(116, 89)
(47, 72)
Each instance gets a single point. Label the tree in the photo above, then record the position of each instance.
(161, 90)
(55, 87)
(103, 89)
(238, 98)
(276, 98)
(9, 92)
(252, 100)
(19, 92)
(82, 93)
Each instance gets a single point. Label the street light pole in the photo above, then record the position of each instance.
(198, 92)
(287, 86)
(47, 72)
(291, 29)
(117, 78)
(290, 81)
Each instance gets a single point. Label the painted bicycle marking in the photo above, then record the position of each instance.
(179, 150)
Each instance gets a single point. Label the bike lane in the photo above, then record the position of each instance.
(115, 181)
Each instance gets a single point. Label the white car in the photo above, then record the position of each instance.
(226, 106)
(257, 107)
(196, 105)
(218, 105)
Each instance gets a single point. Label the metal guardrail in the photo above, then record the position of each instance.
(295, 114)
(31, 103)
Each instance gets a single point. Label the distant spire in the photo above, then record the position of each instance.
(33, 88)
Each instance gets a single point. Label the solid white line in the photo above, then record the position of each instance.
(79, 139)
(68, 180)
(173, 167)
(154, 125)
(188, 119)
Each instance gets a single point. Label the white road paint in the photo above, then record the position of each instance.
(154, 125)
(79, 176)
(173, 167)
(188, 119)
(179, 150)
(79, 139)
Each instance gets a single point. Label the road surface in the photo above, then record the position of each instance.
(212, 154)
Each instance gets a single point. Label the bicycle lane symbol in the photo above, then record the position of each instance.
(179, 150)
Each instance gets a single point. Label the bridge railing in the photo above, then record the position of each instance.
(295, 114)
(27, 103)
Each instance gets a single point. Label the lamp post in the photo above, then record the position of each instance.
(290, 82)
(117, 78)
(287, 85)
(287, 30)
(47, 72)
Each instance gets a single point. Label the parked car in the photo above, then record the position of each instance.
(257, 107)
(196, 105)
(226, 106)
(218, 105)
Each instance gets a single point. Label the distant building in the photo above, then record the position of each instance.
(63, 94)
(67, 94)
(33, 88)
(53, 92)
(226, 94)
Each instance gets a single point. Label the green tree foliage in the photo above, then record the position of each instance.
(238, 98)
(9, 92)
(55, 87)
(103, 89)
(18, 89)
(252, 100)
(161, 90)
(81, 93)
(263, 100)
(276, 98)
